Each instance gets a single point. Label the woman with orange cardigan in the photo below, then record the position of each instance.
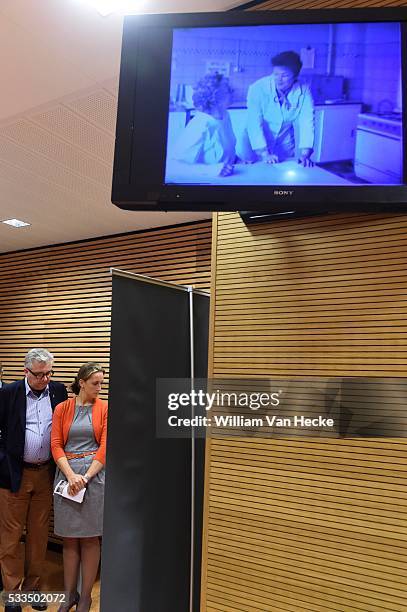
(78, 444)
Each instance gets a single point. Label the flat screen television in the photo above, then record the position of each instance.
(276, 112)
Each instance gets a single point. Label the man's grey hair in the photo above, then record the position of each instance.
(38, 354)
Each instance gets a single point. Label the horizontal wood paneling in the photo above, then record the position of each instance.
(313, 524)
(324, 4)
(60, 296)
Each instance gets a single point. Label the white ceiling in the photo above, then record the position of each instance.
(57, 120)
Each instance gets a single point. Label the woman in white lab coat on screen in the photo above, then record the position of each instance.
(280, 109)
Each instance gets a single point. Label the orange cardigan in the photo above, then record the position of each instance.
(62, 421)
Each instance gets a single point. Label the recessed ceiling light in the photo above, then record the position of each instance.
(16, 223)
(107, 7)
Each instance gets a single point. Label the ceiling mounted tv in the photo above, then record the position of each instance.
(263, 111)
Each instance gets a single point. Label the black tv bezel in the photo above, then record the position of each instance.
(140, 151)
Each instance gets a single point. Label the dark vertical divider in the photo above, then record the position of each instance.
(201, 337)
(146, 542)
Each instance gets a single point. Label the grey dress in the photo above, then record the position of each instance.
(73, 520)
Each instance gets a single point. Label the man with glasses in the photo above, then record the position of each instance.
(26, 472)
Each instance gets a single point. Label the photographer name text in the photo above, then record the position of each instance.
(239, 421)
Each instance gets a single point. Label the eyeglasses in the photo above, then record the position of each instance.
(41, 375)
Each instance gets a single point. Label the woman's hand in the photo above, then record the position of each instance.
(76, 483)
(270, 158)
(266, 157)
(227, 169)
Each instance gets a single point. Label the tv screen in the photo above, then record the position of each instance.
(263, 111)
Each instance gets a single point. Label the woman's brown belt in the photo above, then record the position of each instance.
(79, 455)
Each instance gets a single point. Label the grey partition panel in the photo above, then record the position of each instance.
(146, 542)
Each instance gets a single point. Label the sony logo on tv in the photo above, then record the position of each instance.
(283, 192)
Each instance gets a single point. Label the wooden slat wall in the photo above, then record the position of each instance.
(314, 524)
(59, 297)
(324, 4)
(310, 525)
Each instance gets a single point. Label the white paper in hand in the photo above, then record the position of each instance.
(62, 489)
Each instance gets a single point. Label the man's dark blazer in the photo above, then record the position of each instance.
(13, 408)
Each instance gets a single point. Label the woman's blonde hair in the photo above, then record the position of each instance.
(85, 372)
(208, 91)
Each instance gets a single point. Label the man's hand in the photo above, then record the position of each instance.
(305, 158)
